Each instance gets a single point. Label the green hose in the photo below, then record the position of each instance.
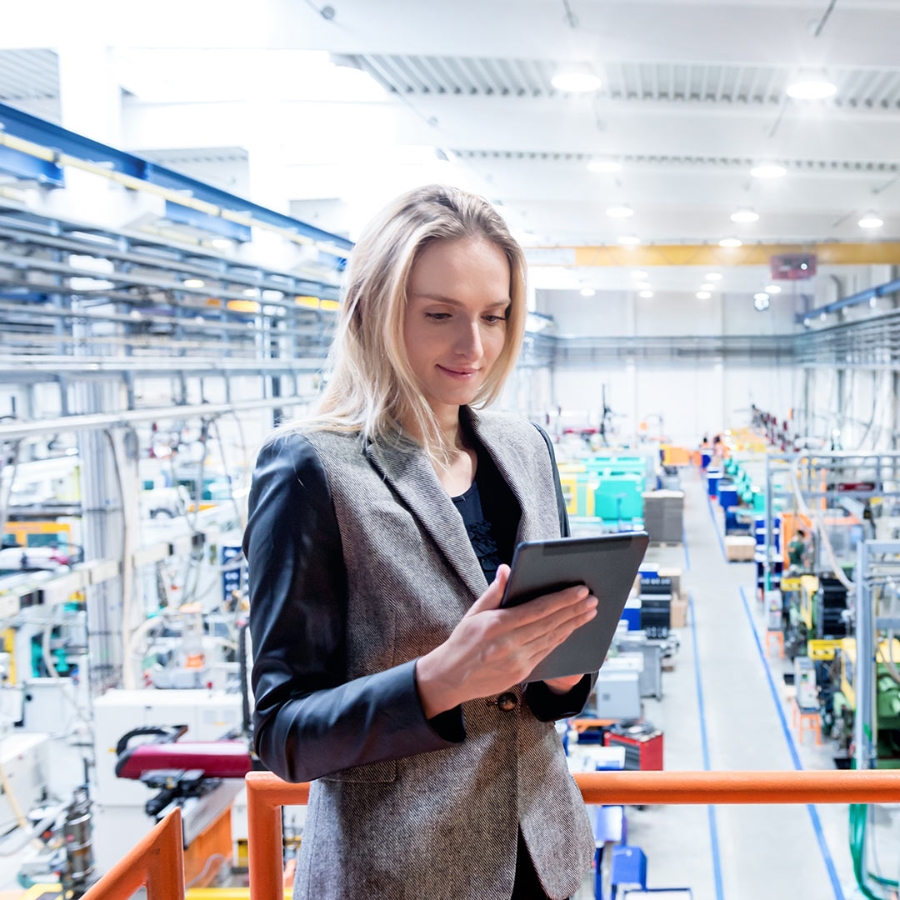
(858, 816)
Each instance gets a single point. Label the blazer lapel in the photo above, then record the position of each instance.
(404, 466)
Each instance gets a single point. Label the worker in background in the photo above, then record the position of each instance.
(798, 551)
(379, 538)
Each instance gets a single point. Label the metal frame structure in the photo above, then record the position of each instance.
(870, 564)
(884, 466)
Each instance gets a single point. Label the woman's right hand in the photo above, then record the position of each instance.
(492, 649)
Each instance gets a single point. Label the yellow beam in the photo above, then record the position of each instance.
(833, 254)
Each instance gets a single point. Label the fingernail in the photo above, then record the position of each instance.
(591, 602)
(582, 593)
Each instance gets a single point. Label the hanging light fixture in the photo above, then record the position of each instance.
(576, 78)
(744, 214)
(871, 220)
(607, 166)
(768, 170)
(811, 86)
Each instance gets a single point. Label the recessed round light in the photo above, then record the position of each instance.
(604, 166)
(707, 286)
(703, 295)
(587, 292)
(639, 275)
(871, 220)
(194, 282)
(731, 242)
(576, 80)
(768, 170)
(646, 294)
(629, 240)
(713, 276)
(744, 215)
(811, 88)
(773, 288)
(619, 212)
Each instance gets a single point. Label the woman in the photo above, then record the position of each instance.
(378, 541)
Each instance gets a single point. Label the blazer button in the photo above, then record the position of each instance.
(507, 702)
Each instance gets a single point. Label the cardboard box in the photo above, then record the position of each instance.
(675, 575)
(740, 548)
(678, 613)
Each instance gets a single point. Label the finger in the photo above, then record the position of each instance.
(491, 598)
(557, 627)
(548, 605)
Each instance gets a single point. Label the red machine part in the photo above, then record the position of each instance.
(216, 759)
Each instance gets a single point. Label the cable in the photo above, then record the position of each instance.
(216, 857)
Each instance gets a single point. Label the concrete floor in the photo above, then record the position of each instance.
(727, 687)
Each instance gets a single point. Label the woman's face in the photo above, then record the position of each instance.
(455, 327)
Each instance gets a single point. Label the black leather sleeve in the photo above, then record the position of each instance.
(546, 705)
(308, 721)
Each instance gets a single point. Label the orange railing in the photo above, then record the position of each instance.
(267, 793)
(156, 862)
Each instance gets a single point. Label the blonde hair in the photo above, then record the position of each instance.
(372, 387)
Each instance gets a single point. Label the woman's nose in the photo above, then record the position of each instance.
(469, 341)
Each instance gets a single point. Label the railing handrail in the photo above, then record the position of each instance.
(156, 861)
(267, 793)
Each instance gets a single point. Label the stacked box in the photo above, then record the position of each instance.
(664, 515)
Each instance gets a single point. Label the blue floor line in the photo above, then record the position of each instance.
(795, 757)
(711, 810)
(687, 556)
(712, 515)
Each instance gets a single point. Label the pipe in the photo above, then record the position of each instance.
(99, 421)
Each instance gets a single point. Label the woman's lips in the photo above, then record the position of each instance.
(461, 374)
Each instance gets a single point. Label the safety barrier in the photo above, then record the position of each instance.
(266, 794)
(156, 862)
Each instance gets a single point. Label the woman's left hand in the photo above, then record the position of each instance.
(563, 685)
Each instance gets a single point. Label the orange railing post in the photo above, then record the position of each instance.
(157, 861)
(266, 794)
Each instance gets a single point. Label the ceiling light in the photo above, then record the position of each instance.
(773, 289)
(221, 243)
(731, 242)
(605, 166)
(587, 292)
(811, 87)
(619, 212)
(194, 282)
(823, 316)
(644, 285)
(703, 295)
(871, 220)
(744, 215)
(768, 170)
(873, 303)
(761, 301)
(629, 240)
(762, 297)
(250, 292)
(578, 79)
(713, 276)
(646, 294)
(639, 275)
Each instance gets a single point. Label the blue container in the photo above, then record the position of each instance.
(705, 460)
(632, 615)
(728, 496)
(713, 477)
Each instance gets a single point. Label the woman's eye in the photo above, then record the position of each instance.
(493, 320)
(439, 317)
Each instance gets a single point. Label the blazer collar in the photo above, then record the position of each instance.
(405, 467)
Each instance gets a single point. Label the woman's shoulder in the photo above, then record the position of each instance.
(308, 444)
(508, 427)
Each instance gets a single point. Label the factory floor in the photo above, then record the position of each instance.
(724, 707)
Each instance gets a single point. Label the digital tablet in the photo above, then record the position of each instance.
(608, 566)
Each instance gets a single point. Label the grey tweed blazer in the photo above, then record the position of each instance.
(338, 617)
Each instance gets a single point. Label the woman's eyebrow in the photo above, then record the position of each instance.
(440, 298)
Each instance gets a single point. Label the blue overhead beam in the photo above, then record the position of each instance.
(882, 290)
(39, 131)
(21, 165)
(185, 215)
